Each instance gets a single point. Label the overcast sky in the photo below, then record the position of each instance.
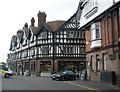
(15, 13)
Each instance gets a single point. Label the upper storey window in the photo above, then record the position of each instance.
(44, 35)
(75, 34)
(96, 31)
(95, 35)
(90, 8)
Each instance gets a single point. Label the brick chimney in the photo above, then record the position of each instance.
(41, 18)
(26, 25)
(32, 21)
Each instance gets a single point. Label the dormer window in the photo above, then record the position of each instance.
(90, 8)
(95, 35)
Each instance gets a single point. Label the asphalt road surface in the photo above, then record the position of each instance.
(37, 83)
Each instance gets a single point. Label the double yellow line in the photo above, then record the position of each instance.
(81, 86)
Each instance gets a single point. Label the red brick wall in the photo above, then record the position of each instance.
(88, 39)
(109, 29)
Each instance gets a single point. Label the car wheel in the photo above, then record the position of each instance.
(53, 78)
(62, 78)
(7, 75)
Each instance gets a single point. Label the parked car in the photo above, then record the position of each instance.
(64, 75)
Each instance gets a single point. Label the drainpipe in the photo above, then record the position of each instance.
(119, 27)
(119, 41)
(112, 36)
(53, 53)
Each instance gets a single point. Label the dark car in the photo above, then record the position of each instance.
(64, 75)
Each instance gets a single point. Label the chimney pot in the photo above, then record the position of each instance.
(32, 21)
(26, 25)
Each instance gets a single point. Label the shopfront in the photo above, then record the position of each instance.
(75, 66)
(45, 68)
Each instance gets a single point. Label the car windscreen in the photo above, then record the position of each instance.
(3, 67)
(70, 72)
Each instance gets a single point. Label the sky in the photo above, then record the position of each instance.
(15, 13)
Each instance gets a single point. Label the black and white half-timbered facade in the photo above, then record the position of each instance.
(69, 46)
(50, 47)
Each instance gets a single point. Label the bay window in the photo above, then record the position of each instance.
(95, 35)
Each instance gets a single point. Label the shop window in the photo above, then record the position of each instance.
(45, 66)
(27, 66)
(33, 66)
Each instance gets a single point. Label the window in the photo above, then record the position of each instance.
(104, 62)
(45, 66)
(70, 34)
(95, 35)
(96, 31)
(90, 8)
(92, 62)
(44, 35)
(32, 40)
(33, 66)
(45, 49)
(24, 53)
(98, 62)
(68, 49)
(74, 34)
(32, 52)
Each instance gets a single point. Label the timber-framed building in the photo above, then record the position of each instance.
(50, 47)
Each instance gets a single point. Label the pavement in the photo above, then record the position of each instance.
(97, 87)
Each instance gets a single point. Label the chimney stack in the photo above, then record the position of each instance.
(41, 18)
(32, 21)
(26, 25)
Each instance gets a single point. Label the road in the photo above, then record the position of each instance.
(42, 83)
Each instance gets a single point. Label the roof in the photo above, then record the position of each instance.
(19, 34)
(34, 29)
(54, 25)
(14, 40)
(26, 31)
(51, 26)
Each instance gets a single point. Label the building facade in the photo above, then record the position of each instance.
(50, 47)
(101, 23)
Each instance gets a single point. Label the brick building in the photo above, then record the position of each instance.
(101, 23)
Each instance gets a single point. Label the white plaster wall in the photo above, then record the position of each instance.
(102, 6)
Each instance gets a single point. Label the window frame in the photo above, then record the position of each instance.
(95, 31)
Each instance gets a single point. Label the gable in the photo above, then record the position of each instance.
(93, 8)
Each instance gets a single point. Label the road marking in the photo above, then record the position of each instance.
(81, 86)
